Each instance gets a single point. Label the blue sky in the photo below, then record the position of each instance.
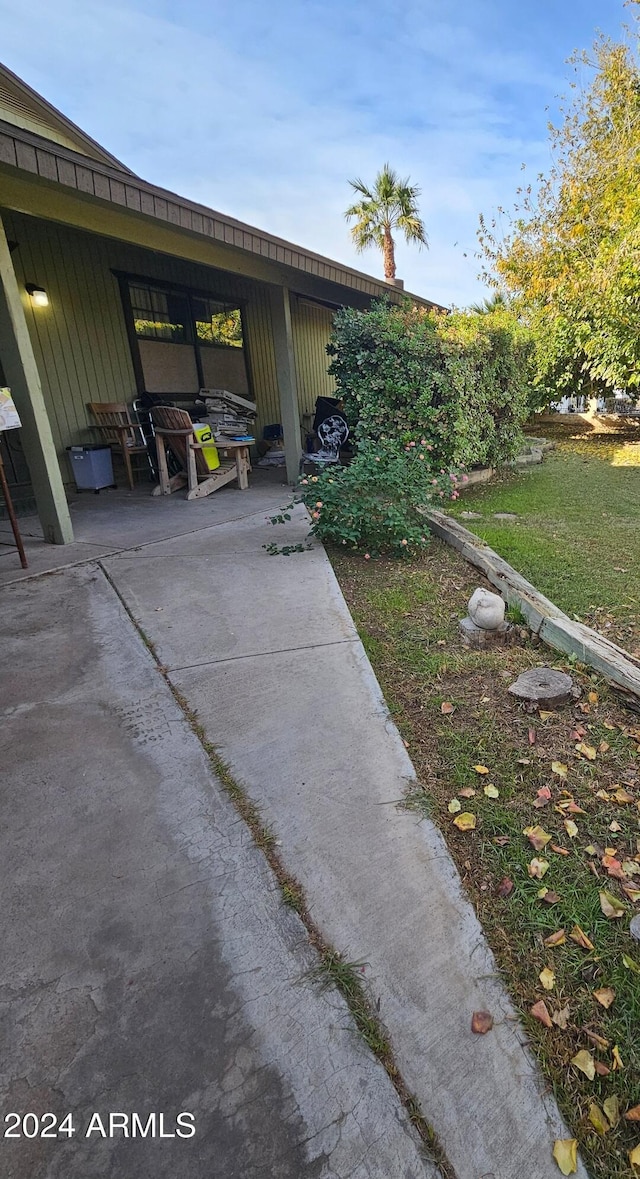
(264, 110)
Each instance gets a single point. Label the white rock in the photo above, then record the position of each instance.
(486, 609)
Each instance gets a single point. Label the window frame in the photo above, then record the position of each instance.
(126, 280)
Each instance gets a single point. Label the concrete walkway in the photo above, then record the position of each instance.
(265, 650)
(148, 963)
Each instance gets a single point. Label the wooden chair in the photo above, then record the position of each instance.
(119, 432)
(174, 428)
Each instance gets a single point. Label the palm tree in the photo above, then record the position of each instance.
(494, 303)
(390, 204)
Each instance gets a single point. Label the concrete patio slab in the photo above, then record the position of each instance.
(233, 610)
(44, 558)
(307, 733)
(114, 521)
(148, 963)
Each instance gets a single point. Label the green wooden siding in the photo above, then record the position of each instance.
(80, 339)
(311, 324)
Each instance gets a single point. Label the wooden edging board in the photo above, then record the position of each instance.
(543, 616)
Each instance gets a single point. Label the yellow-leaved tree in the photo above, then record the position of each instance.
(570, 256)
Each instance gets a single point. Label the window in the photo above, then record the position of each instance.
(185, 340)
(159, 314)
(219, 324)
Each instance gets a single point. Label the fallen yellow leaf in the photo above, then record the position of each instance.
(610, 905)
(538, 838)
(544, 715)
(617, 1059)
(537, 868)
(630, 964)
(481, 769)
(570, 828)
(597, 1119)
(565, 1152)
(593, 697)
(547, 978)
(559, 768)
(579, 936)
(584, 1061)
(491, 791)
(454, 806)
(586, 750)
(465, 822)
(556, 939)
(605, 996)
(561, 1017)
(611, 1107)
(622, 795)
(634, 1156)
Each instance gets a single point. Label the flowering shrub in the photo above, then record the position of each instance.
(374, 503)
(461, 381)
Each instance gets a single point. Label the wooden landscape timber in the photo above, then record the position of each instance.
(543, 617)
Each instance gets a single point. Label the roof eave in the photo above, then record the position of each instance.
(41, 157)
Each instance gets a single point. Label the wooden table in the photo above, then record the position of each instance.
(239, 450)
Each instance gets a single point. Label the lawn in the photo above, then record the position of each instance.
(573, 772)
(576, 535)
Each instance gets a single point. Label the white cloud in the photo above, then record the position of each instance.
(265, 112)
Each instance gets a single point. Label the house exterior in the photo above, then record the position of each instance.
(145, 292)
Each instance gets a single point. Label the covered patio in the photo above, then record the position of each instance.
(113, 289)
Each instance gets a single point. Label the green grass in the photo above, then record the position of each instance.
(407, 614)
(577, 533)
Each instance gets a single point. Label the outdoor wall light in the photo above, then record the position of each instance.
(39, 296)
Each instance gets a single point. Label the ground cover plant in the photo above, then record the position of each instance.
(576, 533)
(551, 855)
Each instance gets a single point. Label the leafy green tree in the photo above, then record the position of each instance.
(390, 204)
(571, 253)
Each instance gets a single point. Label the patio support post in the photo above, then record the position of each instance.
(21, 373)
(286, 374)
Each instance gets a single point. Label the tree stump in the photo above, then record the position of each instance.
(543, 687)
